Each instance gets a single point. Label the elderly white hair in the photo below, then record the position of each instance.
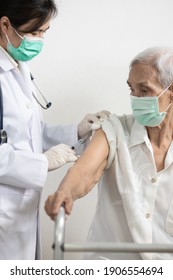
(161, 58)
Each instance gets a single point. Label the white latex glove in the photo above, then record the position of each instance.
(91, 122)
(58, 155)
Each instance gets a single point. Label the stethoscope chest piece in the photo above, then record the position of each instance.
(3, 136)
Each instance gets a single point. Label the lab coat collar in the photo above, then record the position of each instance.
(138, 135)
(7, 62)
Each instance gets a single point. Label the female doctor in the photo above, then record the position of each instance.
(32, 148)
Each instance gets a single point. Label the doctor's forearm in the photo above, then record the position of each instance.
(15, 172)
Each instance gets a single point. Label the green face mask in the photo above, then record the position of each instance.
(146, 110)
(28, 49)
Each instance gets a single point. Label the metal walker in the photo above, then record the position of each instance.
(60, 246)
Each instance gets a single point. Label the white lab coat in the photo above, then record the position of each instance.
(23, 167)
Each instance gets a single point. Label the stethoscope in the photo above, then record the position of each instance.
(3, 133)
(48, 104)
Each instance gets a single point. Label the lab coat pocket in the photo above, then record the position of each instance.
(169, 219)
(15, 212)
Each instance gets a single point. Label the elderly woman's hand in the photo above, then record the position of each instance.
(54, 202)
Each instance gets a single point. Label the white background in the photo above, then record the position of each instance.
(84, 68)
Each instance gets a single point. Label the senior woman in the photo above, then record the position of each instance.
(132, 158)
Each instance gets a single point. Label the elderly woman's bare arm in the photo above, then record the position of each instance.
(81, 177)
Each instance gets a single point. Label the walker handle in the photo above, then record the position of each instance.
(59, 234)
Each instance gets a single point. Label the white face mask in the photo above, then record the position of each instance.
(146, 110)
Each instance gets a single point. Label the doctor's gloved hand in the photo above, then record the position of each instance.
(91, 122)
(58, 155)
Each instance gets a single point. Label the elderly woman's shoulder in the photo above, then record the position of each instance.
(125, 120)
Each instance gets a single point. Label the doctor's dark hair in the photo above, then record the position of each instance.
(160, 58)
(20, 12)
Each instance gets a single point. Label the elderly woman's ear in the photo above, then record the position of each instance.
(171, 88)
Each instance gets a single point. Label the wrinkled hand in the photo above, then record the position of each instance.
(54, 202)
(91, 122)
(58, 155)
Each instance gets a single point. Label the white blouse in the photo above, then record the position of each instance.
(135, 202)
